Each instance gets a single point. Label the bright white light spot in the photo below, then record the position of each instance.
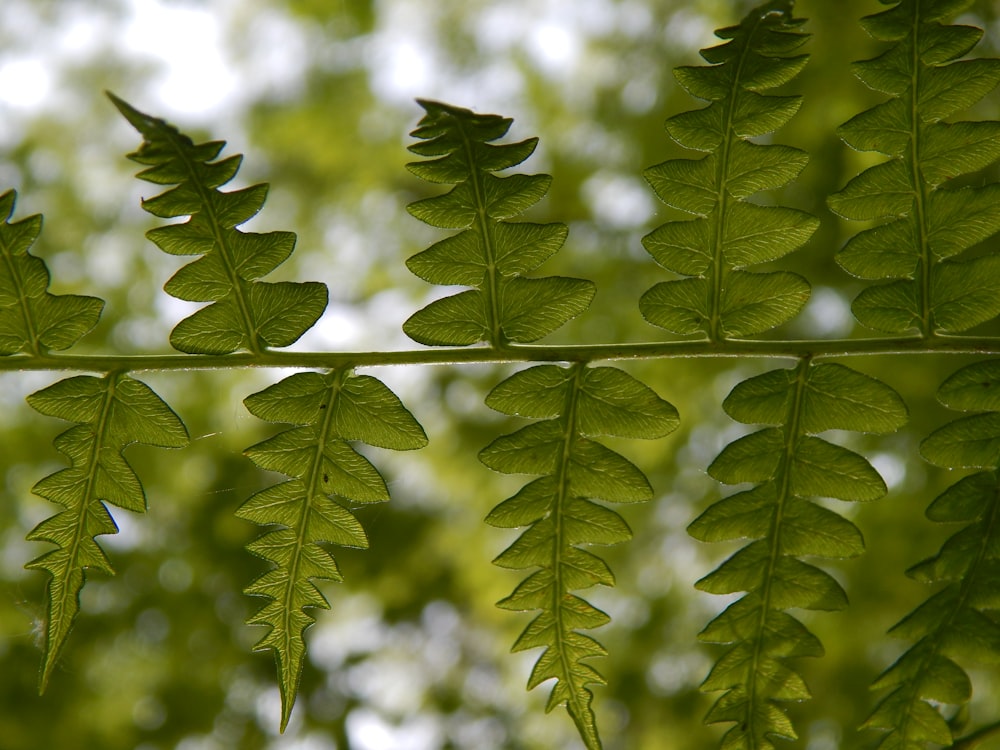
(24, 83)
(555, 48)
(196, 78)
(829, 313)
(617, 200)
(369, 731)
(891, 467)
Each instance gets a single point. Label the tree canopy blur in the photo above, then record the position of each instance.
(319, 96)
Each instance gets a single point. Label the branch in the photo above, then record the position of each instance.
(817, 349)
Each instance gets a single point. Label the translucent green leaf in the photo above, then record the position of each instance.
(490, 254)
(681, 246)
(882, 191)
(883, 252)
(966, 293)
(822, 469)
(110, 414)
(560, 514)
(788, 466)
(974, 387)
(532, 308)
(244, 313)
(685, 184)
(926, 222)
(458, 320)
(753, 458)
(891, 307)
(756, 302)
(31, 319)
(679, 306)
(951, 624)
(970, 442)
(835, 397)
(733, 234)
(313, 507)
(759, 234)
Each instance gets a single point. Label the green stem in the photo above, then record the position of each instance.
(976, 738)
(818, 349)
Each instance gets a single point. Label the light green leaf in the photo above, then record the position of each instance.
(245, 313)
(31, 319)
(491, 254)
(111, 413)
(974, 387)
(756, 302)
(679, 306)
(891, 307)
(458, 320)
(882, 191)
(966, 293)
(312, 507)
(560, 514)
(532, 308)
(759, 234)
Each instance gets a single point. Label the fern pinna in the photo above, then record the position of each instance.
(313, 507)
(956, 622)
(575, 403)
(790, 467)
(719, 297)
(245, 313)
(923, 225)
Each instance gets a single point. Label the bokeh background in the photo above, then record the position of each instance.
(319, 95)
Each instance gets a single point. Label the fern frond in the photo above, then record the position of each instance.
(720, 297)
(32, 319)
(924, 223)
(110, 414)
(789, 465)
(953, 623)
(575, 404)
(313, 508)
(245, 313)
(490, 254)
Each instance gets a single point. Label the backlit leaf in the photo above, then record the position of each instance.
(560, 514)
(326, 478)
(490, 254)
(110, 414)
(245, 313)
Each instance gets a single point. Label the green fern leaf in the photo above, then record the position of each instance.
(789, 466)
(952, 623)
(313, 508)
(32, 319)
(575, 404)
(924, 222)
(245, 313)
(731, 234)
(490, 254)
(110, 414)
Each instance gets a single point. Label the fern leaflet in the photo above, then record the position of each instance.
(32, 319)
(110, 413)
(313, 508)
(952, 623)
(575, 403)
(925, 223)
(490, 254)
(789, 465)
(719, 297)
(245, 313)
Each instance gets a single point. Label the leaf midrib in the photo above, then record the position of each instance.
(93, 461)
(221, 242)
